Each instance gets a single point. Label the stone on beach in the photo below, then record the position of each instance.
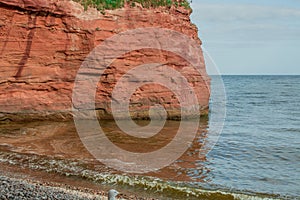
(112, 194)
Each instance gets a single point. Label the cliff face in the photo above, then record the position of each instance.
(44, 42)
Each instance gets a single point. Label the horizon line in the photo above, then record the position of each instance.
(254, 74)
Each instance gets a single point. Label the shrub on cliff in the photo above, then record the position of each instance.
(114, 4)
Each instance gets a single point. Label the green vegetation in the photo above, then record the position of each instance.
(114, 4)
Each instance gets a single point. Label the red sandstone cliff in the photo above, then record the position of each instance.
(44, 42)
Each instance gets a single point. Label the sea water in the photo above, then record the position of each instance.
(259, 148)
(257, 155)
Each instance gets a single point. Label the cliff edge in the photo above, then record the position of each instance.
(44, 42)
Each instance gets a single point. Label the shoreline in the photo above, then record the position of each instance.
(22, 183)
(48, 164)
(17, 181)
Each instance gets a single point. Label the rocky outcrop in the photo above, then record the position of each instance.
(44, 42)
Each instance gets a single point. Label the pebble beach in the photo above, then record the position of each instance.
(12, 188)
(15, 185)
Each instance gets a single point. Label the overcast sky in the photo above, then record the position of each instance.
(250, 36)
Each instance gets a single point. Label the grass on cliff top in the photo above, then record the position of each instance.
(114, 4)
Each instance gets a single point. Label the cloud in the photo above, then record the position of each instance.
(247, 21)
(257, 38)
(244, 12)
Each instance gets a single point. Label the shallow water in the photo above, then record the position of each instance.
(55, 147)
(257, 153)
(60, 140)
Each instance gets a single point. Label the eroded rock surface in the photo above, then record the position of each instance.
(44, 42)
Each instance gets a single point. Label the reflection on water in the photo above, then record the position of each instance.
(43, 138)
(60, 140)
(55, 147)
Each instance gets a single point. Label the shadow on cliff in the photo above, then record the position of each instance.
(31, 28)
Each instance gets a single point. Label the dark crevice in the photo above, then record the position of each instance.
(23, 61)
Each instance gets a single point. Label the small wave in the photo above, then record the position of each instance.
(166, 189)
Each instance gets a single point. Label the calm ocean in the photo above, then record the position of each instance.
(257, 155)
(259, 148)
